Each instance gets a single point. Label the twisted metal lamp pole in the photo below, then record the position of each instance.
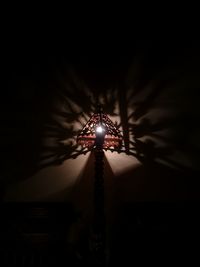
(99, 133)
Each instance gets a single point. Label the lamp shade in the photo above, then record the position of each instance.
(100, 126)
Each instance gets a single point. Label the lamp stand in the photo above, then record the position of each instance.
(99, 133)
(99, 224)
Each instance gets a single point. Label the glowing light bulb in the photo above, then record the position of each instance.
(99, 129)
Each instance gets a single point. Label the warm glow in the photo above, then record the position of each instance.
(99, 129)
(99, 125)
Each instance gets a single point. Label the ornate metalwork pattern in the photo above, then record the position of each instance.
(112, 136)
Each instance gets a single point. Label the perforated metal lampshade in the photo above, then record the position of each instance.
(100, 126)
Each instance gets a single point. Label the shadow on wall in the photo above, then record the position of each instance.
(149, 100)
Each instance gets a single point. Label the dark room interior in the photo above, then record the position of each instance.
(150, 92)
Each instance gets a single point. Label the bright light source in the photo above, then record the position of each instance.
(99, 129)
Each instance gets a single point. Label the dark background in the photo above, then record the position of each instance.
(156, 214)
